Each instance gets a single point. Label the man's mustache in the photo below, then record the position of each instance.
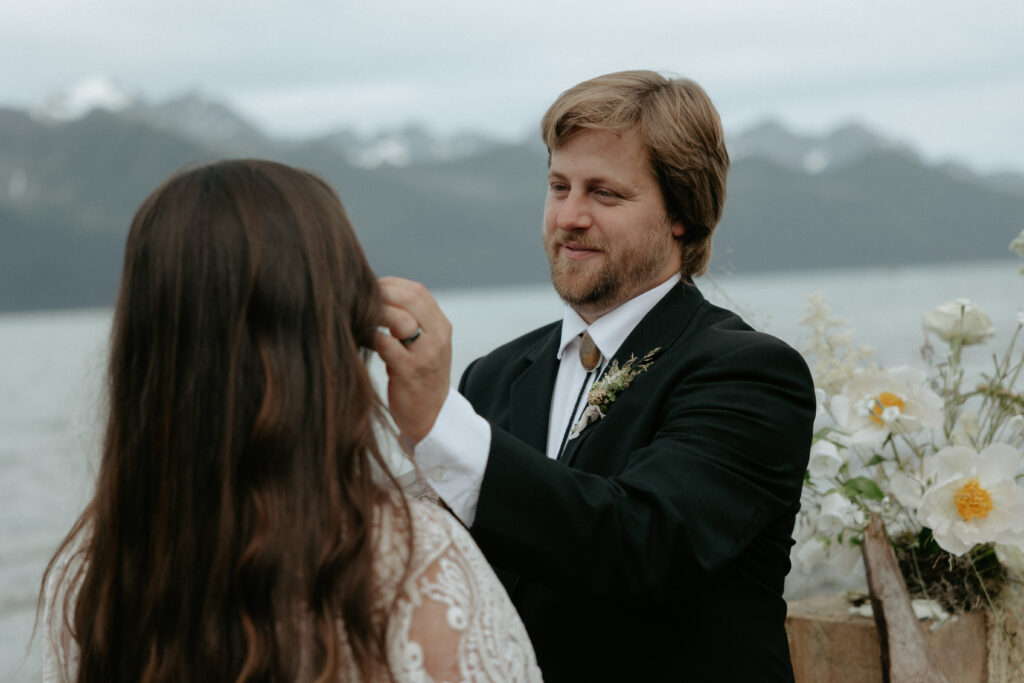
(577, 243)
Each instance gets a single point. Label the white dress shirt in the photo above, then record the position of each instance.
(453, 456)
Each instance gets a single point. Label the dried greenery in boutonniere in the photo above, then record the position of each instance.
(605, 390)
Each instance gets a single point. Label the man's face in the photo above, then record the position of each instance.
(606, 232)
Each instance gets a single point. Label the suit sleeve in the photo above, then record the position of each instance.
(714, 480)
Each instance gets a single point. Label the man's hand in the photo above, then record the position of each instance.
(419, 369)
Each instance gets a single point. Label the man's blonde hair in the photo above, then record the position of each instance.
(683, 134)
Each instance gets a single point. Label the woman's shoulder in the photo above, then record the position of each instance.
(454, 620)
(429, 530)
(438, 545)
(430, 519)
(407, 542)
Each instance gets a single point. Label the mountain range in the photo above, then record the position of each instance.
(464, 210)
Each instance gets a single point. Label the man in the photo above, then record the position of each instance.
(643, 529)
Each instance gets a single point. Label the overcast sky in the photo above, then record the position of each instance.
(947, 77)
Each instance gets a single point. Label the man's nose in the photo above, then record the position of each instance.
(574, 213)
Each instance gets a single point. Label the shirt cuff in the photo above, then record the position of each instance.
(453, 456)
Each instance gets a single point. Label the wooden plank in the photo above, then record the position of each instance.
(906, 657)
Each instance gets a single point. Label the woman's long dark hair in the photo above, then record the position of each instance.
(232, 523)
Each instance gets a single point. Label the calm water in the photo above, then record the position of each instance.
(51, 367)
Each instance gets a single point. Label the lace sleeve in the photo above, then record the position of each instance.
(453, 621)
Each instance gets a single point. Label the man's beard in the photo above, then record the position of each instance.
(622, 276)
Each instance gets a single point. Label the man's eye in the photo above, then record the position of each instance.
(559, 187)
(606, 194)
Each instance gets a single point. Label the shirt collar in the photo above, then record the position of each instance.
(612, 328)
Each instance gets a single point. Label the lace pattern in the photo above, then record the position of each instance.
(452, 621)
(452, 580)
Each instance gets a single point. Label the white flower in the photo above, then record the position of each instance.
(825, 460)
(824, 423)
(1017, 245)
(819, 550)
(959, 319)
(877, 403)
(838, 513)
(906, 489)
(810, 554)
(973, 497)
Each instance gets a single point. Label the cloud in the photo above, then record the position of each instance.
(912, 66)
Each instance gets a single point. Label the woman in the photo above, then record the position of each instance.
(245, 526)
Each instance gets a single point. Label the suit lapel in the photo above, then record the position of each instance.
(530, 393)
(664, 325)
(661, 328)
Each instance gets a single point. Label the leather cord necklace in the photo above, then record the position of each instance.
(590, 358)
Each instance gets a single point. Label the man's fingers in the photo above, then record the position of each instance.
(388, 348)
(419, 370)
(417, 301)
(401, 323)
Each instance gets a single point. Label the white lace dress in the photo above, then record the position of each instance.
(453, 620)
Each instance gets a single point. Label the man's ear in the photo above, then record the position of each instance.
(677, 229)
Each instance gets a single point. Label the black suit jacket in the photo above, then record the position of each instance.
(658, 551)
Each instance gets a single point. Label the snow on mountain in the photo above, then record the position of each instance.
(393, 150)
(805, 152)
(191, 114)
(198, 117)
(206, 120)
(93, 92)
(405, 146)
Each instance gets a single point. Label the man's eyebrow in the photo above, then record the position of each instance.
(589, 180)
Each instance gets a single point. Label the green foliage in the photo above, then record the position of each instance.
(862, 487)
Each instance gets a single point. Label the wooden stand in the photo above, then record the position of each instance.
(830, 645)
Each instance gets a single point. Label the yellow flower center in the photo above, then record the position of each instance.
(884, 400)
(973, 501)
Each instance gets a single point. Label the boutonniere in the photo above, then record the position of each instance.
(605, 390)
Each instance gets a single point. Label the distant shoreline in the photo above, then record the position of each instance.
(714, 274)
